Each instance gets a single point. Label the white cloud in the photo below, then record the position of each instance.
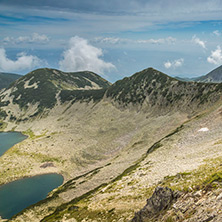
(22, 39)
(216, 56)
(113, 40)
(151, 41)
(174, 64)
(217, 33)
(168, 40)
(171, 40)
(199, 42)
(178, 62)
(34, 38)
(22, 62)
(167, 64)
(39, 38)
(82, 56)
(109, 40)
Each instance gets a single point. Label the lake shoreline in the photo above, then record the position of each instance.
(13, 144)
(47, 170)
(14, 139)
(25, 192)
(30, 176)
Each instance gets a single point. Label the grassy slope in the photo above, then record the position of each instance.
(159, 90)
(181, 163)
(7, 78)
(49, 82)
(41, 87)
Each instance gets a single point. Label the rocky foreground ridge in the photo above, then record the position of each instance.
(168, 205)
(114, 144)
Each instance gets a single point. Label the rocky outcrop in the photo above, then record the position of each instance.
(199, 206)
(161, 199)
(167, 205)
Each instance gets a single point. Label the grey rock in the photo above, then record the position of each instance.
(161, 199)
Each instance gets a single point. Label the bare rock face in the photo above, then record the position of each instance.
(47, 164)
(161, 199)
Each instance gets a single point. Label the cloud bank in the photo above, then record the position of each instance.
(195, 8)
(82, 56)
(22, 62)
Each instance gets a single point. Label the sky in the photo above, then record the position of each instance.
(114, 38)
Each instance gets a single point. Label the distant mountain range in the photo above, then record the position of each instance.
(7, 78)
(215, 76)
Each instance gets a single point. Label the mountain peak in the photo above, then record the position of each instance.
(42, 87)
(153, 90)
(134, 89)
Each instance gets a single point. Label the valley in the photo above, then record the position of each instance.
(112, 143)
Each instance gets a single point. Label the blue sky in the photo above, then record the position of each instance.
(112, 38)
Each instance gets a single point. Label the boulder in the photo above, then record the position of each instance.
(161, 199)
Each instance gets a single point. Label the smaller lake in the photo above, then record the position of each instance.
(9, 139)
(17, 195)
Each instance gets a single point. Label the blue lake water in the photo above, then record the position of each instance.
(9, 139)
(19, 194)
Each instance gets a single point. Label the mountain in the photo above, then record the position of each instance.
(7, 78)
(155, 90)
(213, 76)
(40, 88)
(114, 144)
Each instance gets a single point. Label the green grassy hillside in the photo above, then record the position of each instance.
(44, 87)
(159, 90)
(7, 78)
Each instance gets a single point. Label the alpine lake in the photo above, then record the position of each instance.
(19, 194)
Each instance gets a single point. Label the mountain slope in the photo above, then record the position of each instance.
(213, 76)
(101, 141)
(7, 78)
(40, 89)
(147, 90)
(152, 89)
(188, 159)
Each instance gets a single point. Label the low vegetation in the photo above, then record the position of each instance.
(207, 175)
(81, 95)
